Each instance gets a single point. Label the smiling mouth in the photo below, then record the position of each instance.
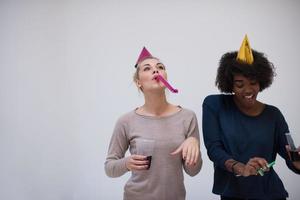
(249, 96)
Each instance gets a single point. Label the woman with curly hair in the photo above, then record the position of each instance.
(243, 135)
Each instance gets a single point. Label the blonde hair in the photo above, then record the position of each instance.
(136, 74)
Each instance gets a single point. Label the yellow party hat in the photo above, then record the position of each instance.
(245, 52)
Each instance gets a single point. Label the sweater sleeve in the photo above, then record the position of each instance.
(212, 136)
(193, 131)
(115, 164)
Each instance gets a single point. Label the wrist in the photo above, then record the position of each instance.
(126, 164)
(232, 166)
(229, 164)
(238, 169)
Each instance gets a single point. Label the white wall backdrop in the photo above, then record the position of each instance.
(66, 76)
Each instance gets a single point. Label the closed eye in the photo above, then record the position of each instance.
(239, 85)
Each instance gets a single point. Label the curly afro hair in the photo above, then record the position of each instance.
(260, 70)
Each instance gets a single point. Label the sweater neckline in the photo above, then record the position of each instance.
(156, 117)
(244, 114)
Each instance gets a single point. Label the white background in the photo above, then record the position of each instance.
(66, 76)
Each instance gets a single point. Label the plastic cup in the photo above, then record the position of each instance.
(145, 147)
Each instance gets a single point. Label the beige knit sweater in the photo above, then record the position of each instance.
(164, 180)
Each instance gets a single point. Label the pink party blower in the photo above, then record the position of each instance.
(160, 78)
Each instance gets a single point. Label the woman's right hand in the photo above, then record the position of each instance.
(253, 165)
(137, 162)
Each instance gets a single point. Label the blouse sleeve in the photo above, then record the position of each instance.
(212, 136)
(115, 164)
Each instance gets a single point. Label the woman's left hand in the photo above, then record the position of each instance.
(190, 151)
(295, 163)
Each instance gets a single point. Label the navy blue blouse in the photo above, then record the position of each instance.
(230, 134)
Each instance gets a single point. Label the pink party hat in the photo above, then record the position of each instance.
(143, 55)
